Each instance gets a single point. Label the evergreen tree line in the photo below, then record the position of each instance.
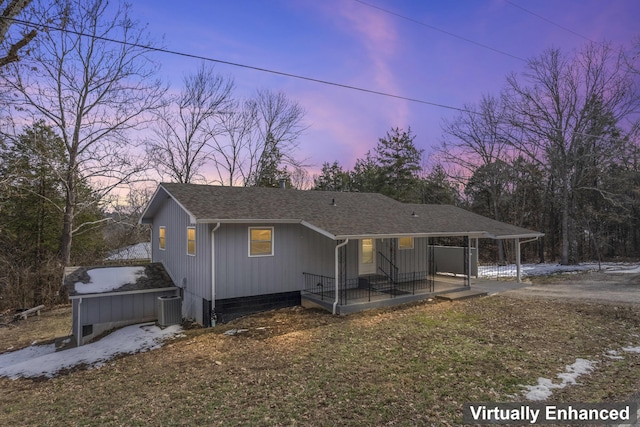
(556, 151)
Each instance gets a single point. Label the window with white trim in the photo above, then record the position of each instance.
(191, 240)
(162, 238)
(405, 242)
(260, 241)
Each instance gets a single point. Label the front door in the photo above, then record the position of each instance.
(367, 257)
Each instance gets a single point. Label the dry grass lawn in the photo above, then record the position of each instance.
(412, 365)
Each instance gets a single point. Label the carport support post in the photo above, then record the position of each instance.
(477, 255)
(469, 261)
(518, 272)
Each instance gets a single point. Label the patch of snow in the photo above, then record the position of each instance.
(613, 354)
(625, 269)
(510, 270)
(108, 279)
(543, 390)
(235, 331)
(43, 360)
(137, 251)
(631, 349)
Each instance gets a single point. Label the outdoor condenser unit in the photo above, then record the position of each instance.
(169, 310)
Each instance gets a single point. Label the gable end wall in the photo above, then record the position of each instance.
(191, 273)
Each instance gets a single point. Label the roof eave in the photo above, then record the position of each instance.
(398, 235)
(148, 219)
(532, 235)
(247, 221)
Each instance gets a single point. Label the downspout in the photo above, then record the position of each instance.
(213, 274)
(337, 273)
(79, 324)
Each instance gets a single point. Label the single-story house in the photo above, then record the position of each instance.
(235, 250)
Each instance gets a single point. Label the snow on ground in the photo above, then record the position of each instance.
(43, 360)
(138, 251)
(107, 279)
(543, 390)
(547, 269)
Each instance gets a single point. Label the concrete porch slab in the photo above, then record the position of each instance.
(461, 295)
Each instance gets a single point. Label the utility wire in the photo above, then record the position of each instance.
(440, 30)
(251, 67)
(548, 20)
(246, 66)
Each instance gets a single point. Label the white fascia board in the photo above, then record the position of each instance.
(398, 235)
(144, 213)
(248, 221)
(192, 218)
(319, 230)
(515, 236)
(109, 294)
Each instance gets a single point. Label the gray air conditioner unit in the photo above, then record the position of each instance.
(169, 310)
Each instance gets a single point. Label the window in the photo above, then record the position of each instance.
(405, 242)
(162, 242)
(260, 241)
(191, 240)
(367, 251)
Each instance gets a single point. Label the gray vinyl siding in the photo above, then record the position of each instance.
(297, 250)
(191, 273)
(112, 311)
(114, 308)
(413, 260)
(352, 259)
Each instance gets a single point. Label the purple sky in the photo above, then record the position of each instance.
(350, 43)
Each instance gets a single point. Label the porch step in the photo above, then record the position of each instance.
(460, 295)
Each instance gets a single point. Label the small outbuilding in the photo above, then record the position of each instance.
(108, 297)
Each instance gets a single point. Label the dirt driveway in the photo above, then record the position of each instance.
(610, 288)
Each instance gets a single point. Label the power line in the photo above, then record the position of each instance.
(255, 68)
(440, 30)
(239, 65)
(548, 20)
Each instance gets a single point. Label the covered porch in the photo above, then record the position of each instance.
(383, 271)
(380, 272)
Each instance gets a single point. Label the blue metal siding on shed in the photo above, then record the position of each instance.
(297, 249)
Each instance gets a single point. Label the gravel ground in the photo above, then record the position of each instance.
(609, 288)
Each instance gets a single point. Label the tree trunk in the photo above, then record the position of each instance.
(67, 222)
(564, 259)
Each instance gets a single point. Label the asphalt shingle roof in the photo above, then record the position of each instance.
(338, 214)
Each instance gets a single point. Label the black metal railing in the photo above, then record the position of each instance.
(364, 288)
(320, 285)
(387, 268)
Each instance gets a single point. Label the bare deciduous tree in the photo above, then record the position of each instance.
(91, 91)
(479, 140)
(568, 109)
(188, 124)
(279, 125)
(10, 10)
(232, 147)
(259, 138)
